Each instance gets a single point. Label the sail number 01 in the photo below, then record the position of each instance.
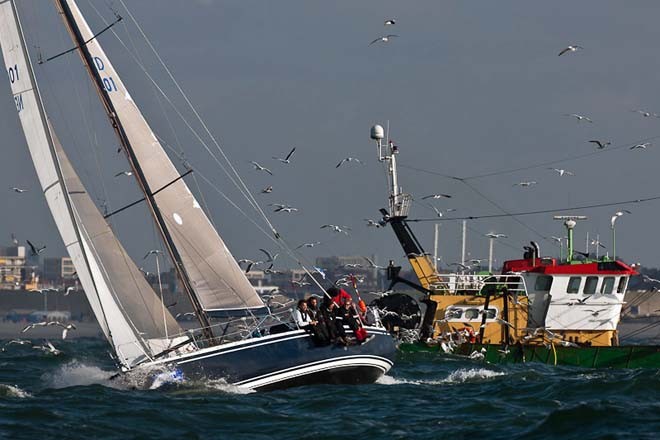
(108, 82)
(13, 77)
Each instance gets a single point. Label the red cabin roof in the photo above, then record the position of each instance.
(551, 267)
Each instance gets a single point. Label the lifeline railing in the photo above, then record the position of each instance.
(457, 284)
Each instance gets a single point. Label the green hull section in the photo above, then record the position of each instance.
(632, 356)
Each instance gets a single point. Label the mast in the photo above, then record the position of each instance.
(116, 123)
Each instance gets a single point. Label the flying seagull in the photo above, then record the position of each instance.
(267, 190)
(35, 250)
(151, 252)
(287, 158)
(437, 196)
(383, 39)
(562, 172)
(308, 245)
(495, 235)
(124, 173)
(600, 144)
(336, 228)
(14, 240)
(580, 118)
(48, 348)
(525, 184)
(34, 325)
(270, 256)
(372, 265)
(643, 146)
(283, 208)
(260, 168)
(390, 22)
(646, 114)
(18, 190)
(372, 223)
(571, 48)
(348, 159)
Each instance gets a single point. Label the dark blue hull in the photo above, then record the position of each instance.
(289, 359)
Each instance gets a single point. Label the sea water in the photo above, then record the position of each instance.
(425, 396)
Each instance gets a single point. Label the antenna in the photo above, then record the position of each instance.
(570, 223)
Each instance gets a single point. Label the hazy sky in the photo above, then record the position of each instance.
(469, 87)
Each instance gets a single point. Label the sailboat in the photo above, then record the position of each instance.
(132, 315)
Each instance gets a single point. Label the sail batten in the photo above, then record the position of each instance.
(216, 280)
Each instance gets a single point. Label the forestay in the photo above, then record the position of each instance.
(82, 241)
(216, 278)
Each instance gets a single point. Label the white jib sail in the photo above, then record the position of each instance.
(217, 279)
(129, 346)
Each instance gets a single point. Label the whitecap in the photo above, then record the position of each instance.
(472, 375)
(75, 373)
(13, 391)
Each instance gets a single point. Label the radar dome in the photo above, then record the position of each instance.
(377, 132)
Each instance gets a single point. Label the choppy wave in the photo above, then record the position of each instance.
(13, 391)
(459, 376)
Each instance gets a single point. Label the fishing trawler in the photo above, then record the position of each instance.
(261, 350)
(542, 309)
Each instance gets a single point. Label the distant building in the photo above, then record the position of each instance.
(13, 270)
(57, 269)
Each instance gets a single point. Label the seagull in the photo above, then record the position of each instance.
(383, 39)
(348, 159)
(66, 328)
(594, 312)
(580, 301)
(152, 252)
(461, 265)
(183, 315)
(643, 146)
(580, 118)
(287, 159)
(495, 235)
(35, 250)
(249, 263)
(390, 22)
(382, 294)
(600, 144)
(267, 190)
(124, 173)
(557, 239)
(352, 266)
(300, 283)
(646, 114)
(282, 208)
(503, 322)
(270, 257)
(437, 196)
(48, 348)
(14, 240)
(69, 290)
(319, 271)
(526, 184)
(34, 325)
(260, 168)
(270, 270)
(18, 190)
(17, 342)
(308, 245)
(372, 223)
(648, 278)
(571, 48)
(562, 172)
(336, 228)
(372, 265)
(597, 243)
(477, 260)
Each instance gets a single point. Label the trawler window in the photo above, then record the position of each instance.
(543, 283)
(491, 313)
(574, 285)
(471, 313)
(622, 285)
(453, 313)
(590, 285)
(608, 285)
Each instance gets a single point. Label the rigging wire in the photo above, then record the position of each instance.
(540, 211)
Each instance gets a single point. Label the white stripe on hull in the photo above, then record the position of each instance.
(281, 376)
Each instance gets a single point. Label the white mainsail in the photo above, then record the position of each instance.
(127, 309)
(216, 278)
